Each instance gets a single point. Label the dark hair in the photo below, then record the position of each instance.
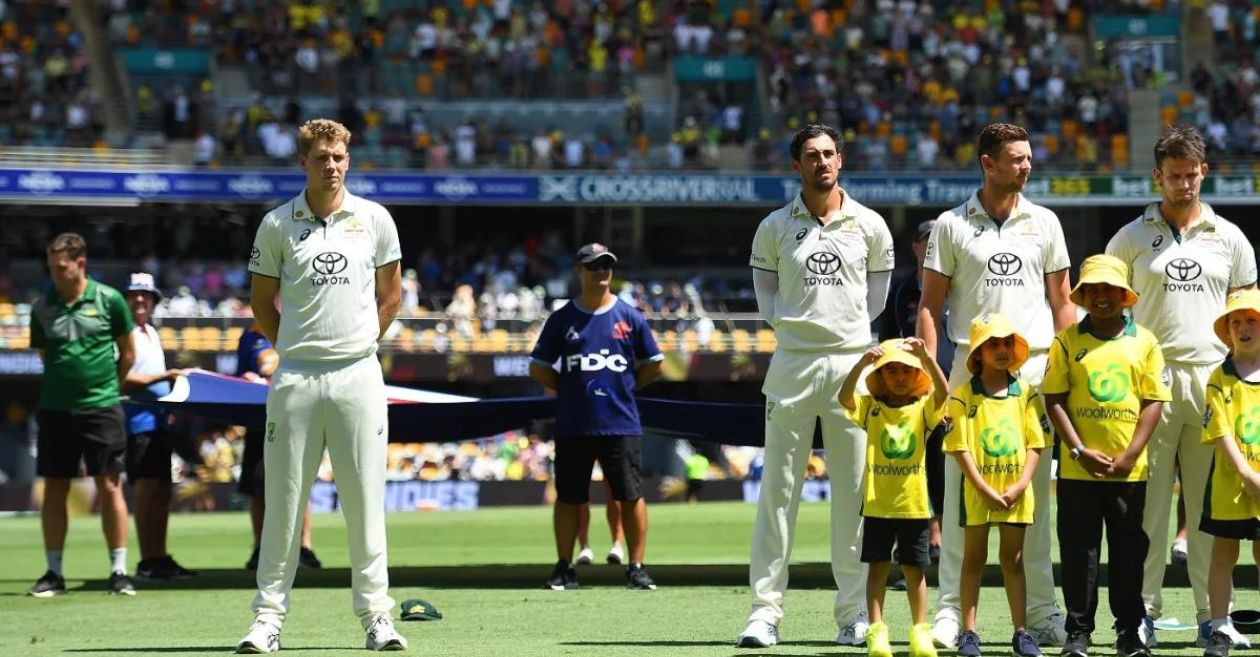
(1180, 141)
(71, 244)
(994, 136)
(811, 131)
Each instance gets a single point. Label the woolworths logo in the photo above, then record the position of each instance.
(999, 441)
(897, 442)
(1247, 427)
(1109, 385)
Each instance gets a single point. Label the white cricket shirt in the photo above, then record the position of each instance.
(998, 269)
(821, 302)
(1183, 279)
(150, 357)
(327, 272)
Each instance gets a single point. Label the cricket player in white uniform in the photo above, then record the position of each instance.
(821, 269)
(332, 258)
(1183, 260)
(998, 253)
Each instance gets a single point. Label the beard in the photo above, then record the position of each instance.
(819, 185)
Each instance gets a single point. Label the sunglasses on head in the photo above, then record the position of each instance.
(599, 264)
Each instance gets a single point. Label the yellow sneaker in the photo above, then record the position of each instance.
(921, 641)
(877, 641)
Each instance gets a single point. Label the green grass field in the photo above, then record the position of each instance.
(484, 571)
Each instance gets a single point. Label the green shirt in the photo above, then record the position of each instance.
(78, 342)
(697, 467)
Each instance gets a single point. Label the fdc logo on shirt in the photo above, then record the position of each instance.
(1184, 272)
(328, 265)
(596, 362)
(1004, 265)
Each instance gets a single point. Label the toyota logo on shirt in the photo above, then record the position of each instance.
(1182, 274)
(328, 265)
(1004, 265)
(823, 264)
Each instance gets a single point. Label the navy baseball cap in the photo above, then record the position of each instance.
(143, 282)
(925, 230)
(594, 251)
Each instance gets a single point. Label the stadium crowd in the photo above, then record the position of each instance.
(910, 81)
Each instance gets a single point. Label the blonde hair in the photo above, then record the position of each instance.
(318, 129)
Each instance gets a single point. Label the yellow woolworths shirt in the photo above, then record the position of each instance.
(1105, 381)
(896, 442)
(1233, 413)
(997, 432)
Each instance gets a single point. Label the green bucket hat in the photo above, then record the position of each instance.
(419, 610)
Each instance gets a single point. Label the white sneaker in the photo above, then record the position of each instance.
(1146, 632)
(381, 635)
(758, 634)
(585, 557)
(1051, 631)
(263, 638)
(616, 554)
(945, 633)
(854, 634)
(1228, 629)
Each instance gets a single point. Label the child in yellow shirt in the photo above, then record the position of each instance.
(996, 429)
(1231, 503)
(907, 389)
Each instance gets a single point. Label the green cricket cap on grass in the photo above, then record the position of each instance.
(419, 610)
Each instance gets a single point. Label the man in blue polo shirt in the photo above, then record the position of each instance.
(604, 350)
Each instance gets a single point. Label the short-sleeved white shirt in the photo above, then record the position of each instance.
(821, 302)
(998, 269)
(327, 272)
(1183, 282)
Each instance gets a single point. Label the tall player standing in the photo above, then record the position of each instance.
(1183, 260)
(821, 269)
(998, 253)
(332, 258)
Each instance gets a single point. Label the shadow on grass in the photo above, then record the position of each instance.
(531, 576)
(217, 649)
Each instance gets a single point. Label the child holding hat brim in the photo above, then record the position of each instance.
(1104, 393)
(906, 392)
(996, 428)
(1231, 503)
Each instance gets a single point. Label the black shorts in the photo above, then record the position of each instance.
(95, 436)
(911, 535)
(251, 481)
(620, 457)
(1243, 530)
(149, 456)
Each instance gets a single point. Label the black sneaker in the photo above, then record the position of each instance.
(120, 584)
(637, 578)
(252, 564)
(563, 577)
(1218, 645)
(47, 586)
(164, 567)
(968, 644)
(1077, 645)
(307, 559)
(1024, 644)
(1129, 644)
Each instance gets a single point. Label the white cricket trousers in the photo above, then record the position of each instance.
(1038, 566)
(800, 389)
(1177, 437)
(311, 407)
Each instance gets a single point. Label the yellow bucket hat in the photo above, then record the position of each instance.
(896, 351)
(1106, 269)
(994, 325)
(1241, 300)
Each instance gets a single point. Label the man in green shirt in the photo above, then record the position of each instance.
(76, 327)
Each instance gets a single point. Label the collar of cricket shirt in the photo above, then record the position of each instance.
(848, 209)
(302, 209)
